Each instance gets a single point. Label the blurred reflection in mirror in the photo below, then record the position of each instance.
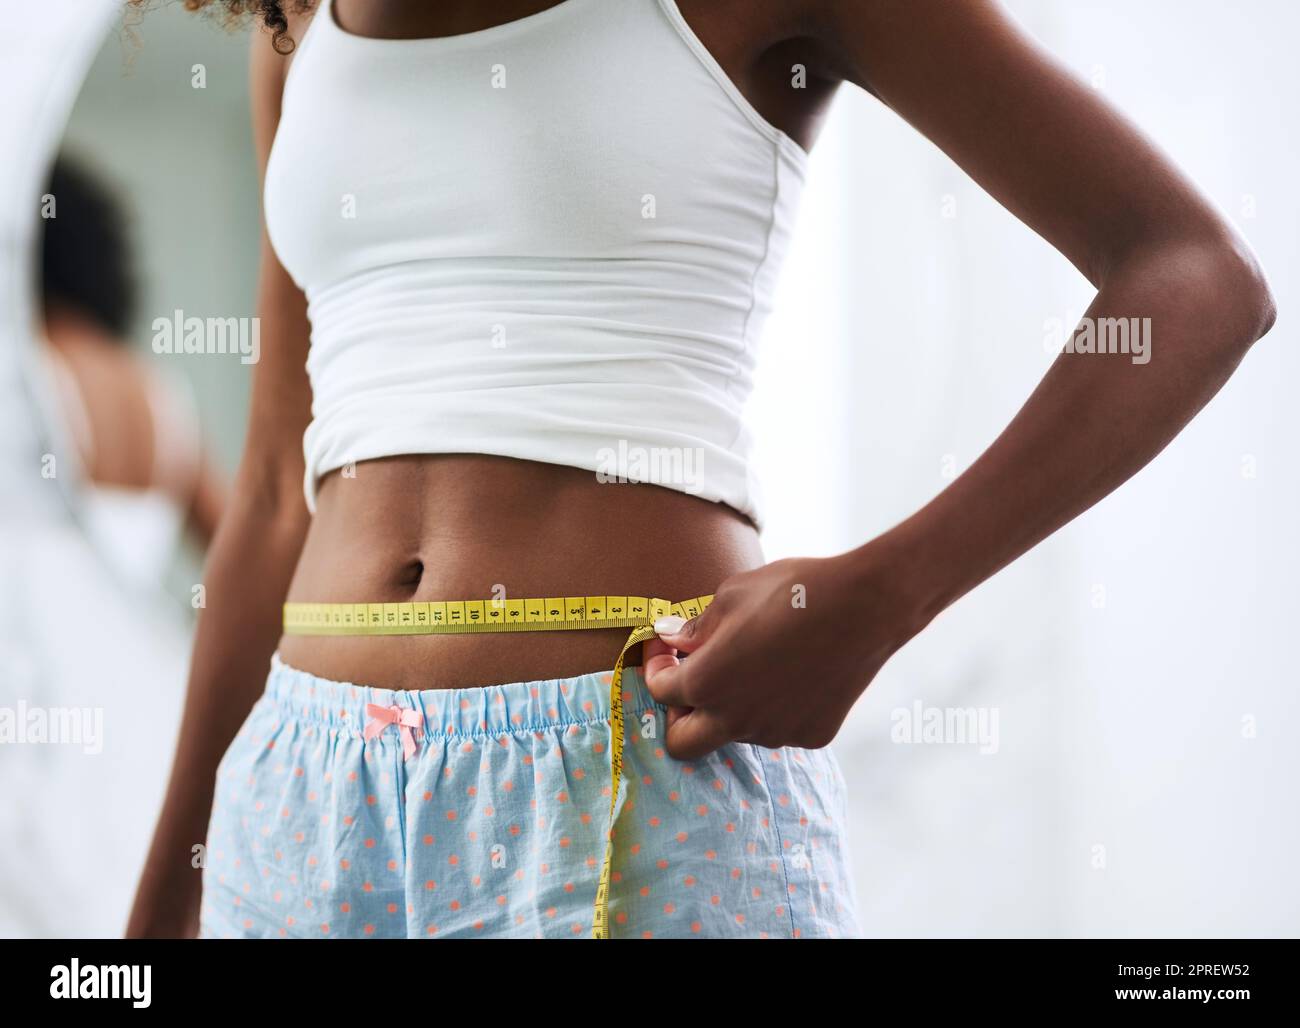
(112, 456)
(135, 430)
(96, 649)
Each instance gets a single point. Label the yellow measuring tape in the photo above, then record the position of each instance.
(562, 613)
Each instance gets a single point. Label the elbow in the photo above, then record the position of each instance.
(1254, 296)
(1265, 304)
(1233, 291)
(1210, 292)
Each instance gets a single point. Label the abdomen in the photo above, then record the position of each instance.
(465, 526)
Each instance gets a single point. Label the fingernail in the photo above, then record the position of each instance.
(669, 624)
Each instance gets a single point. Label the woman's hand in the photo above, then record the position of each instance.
(780, 655)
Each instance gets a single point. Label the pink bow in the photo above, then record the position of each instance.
(403, 717)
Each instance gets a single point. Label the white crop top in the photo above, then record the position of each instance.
(555, 239)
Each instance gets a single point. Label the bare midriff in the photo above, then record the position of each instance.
(467, 526)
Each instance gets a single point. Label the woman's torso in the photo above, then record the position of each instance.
(460, 525)
(437, 527)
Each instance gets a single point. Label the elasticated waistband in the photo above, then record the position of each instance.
(460, 713)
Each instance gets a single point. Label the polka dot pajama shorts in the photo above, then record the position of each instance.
(346, 811)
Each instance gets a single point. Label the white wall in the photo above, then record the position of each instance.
(1125, 655)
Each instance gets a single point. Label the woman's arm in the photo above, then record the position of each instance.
(248, 572)
(1067, 164)
(207, 501)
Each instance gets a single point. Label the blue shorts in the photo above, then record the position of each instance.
(346, 811)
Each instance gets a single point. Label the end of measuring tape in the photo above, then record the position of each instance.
(600, 916)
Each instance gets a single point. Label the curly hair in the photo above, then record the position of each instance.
(270, 13)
